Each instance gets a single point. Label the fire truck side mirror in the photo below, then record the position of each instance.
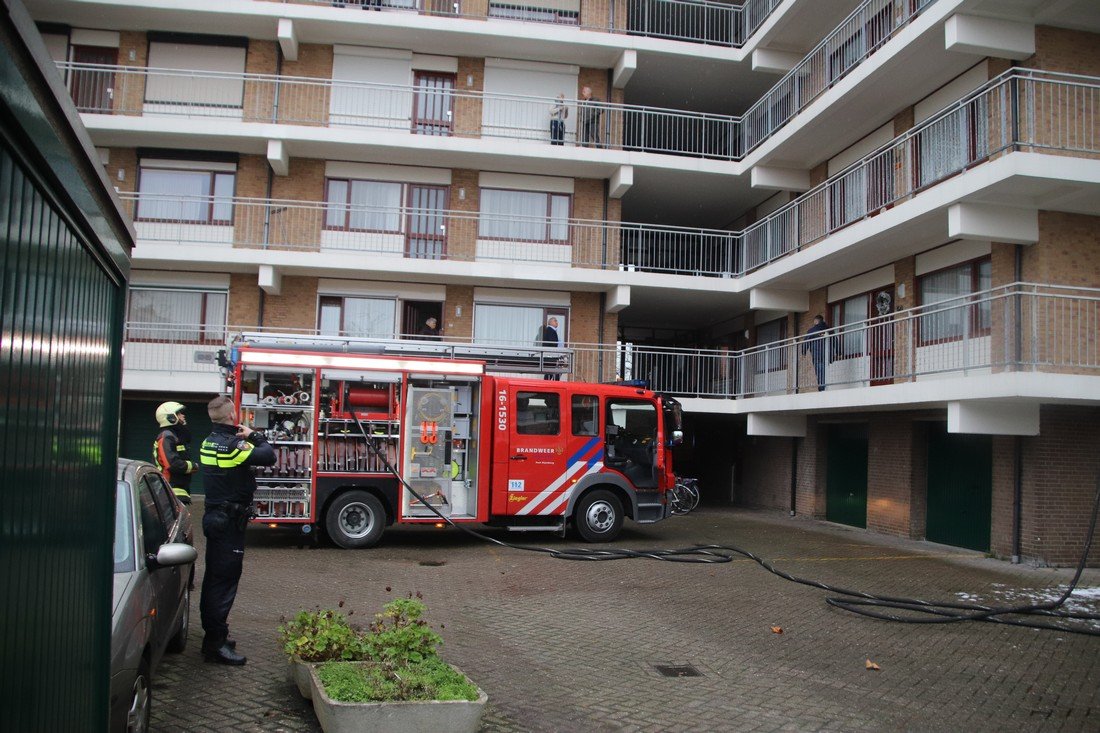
(676, 439)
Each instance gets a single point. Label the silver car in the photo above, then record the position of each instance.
(154, 568)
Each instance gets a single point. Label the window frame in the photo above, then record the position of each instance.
(973, 311)
(342, 331)
(782, 362)
(836, 326)
(401, 212)
(204, 335)
(209, 219)
(549, 217)
(552, 405)
(560, 312)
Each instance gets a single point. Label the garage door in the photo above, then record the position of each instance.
(960, 488)
(139, 430)
(846, 475)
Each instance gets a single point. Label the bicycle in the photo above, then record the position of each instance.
(684, 495)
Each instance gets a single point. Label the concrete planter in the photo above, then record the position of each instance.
(297, 672)
(453, 716)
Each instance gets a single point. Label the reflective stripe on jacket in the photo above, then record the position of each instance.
(227, 461)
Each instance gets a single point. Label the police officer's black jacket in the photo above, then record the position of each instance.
(226, 465)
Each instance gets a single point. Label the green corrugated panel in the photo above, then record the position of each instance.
(59, 360)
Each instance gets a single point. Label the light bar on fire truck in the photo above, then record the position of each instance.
(300, 359)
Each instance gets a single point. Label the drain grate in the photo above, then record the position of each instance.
(677, 670)
(432, 563)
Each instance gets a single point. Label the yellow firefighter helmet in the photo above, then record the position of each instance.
(167, 414)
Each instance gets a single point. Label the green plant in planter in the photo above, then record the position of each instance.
(400, 636)
(431, 679)
(322, 636)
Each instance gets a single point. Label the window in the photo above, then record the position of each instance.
(516, 325)
(631, 430)
(848, 316)
(124, 529)
(222, 85)
(162, 495)
(538, 413)
(365, 206)
(586, 414)
(154, 533)
(176, 316)
(363, 317)
(955, 319)
(772, 332)
(526, 216)
(188, 196)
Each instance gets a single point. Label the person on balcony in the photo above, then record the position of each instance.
(558, 113)
(551, 337)
(589, 117)
(172, 450)
(430, 331)
(816, 343)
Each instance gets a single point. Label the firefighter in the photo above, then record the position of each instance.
(171, 449)
(227, 458)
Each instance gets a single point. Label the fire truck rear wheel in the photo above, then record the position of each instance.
(599, 516)
(355, 519)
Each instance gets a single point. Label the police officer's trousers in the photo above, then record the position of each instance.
(224, 562)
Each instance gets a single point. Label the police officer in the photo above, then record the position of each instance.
(171, 449)
(227, 457)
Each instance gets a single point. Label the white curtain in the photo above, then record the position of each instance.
(164, 315)
(369, 317)
(184, 195)
(515, 325)
(517, 215)
(376, 206)
(192, 86)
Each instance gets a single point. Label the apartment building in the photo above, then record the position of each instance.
(684, 184)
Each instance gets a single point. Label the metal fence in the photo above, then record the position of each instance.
(858, 36)
(1019, 327)
(410, 109)
(693, 21)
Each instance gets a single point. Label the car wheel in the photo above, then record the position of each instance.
(355, 519)
(178, 642)
(599, 516)
(141, 699)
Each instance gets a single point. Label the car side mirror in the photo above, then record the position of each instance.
(171, 555)
(676, 439)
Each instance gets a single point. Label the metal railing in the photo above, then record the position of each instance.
(1018, 327)
(410, 109)
(1021, 109)
(1018, 110)
(693, 21)
(848, 45)
(416, 233)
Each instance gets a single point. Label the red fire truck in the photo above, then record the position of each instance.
(522, 453)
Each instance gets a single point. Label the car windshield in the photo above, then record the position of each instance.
(124, 529)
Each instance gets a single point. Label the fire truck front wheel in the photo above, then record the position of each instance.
(599, 516)
(355, 519)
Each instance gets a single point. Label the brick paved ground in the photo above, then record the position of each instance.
(569, 646)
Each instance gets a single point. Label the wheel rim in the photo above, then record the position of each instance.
(356, 520)
(600, 516)
(137, 718)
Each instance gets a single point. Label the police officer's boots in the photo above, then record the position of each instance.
(221, 652)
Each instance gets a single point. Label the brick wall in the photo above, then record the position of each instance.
(1062, 49)
(889, 474)
(306, 104)
(1060, 469)
(766, 477)
(132, 95)
(1068, 250)
(248, 221)
(1003, 510)
(468, 108)
(296, 305)
(459, 326)
(244, 300)
(465, 195)
(588, 203)
(259, 96)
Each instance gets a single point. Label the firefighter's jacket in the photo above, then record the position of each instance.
(227, 462)
(172, 456)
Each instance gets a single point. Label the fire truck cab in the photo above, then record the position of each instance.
(522, 453)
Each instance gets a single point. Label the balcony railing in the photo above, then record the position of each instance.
(1020, 110)
(437, 234)
(693, 21)
(409, 109)
(1020, 327)
(847, 46)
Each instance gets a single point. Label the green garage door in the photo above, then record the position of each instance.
(960, 488)
(139, 430)
(846, 475)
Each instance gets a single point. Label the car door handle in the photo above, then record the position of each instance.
(519, 457)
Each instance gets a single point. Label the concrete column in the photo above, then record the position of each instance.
(278, 157)
(993, 417)
(617, 299)
(774, 299)
(777, 425)
(779, 179)
(1003, 39)
(288, 39)
(777, 62)
(624, 68)
(270, 279)
(621, 181)
(993, 223)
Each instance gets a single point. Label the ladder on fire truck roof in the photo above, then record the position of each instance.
(508, 359)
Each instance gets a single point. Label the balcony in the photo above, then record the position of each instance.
(1020, 328)
(692, 21)
(440, 111)
(1019, 111)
